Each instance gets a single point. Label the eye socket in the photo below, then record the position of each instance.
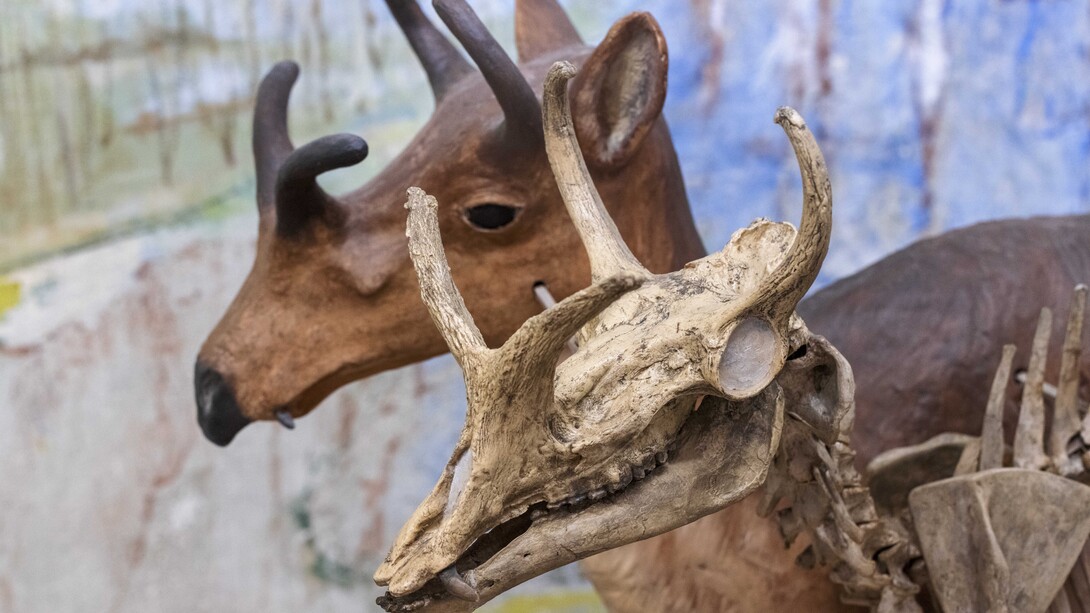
(490, 216)
(749, 361)
(799, 353)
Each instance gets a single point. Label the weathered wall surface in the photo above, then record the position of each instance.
(125, 124)
(113, 501)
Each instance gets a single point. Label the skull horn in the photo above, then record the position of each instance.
(286, 176)
(441, 61)
(521, 111)
(789, 282)
(437, 288)
(991, 437)
(609, 255)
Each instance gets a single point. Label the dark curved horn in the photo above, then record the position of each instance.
(286, 176)
(271, 143)
(441, 61)
(542, 26)
(521, 110)
(298, 196)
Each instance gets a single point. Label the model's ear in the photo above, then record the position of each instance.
(619, 92)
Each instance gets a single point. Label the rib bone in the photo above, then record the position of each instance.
(991, 445)
(1065, 417)
(1029, 449)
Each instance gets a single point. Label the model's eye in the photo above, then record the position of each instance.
(490, 216)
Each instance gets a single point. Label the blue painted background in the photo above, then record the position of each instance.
(932, 114)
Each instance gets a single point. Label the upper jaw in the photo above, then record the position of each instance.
(565, 474)
(723, 453)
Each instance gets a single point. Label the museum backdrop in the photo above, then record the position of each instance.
(127, 223)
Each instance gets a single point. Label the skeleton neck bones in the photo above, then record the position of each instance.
(669, 410)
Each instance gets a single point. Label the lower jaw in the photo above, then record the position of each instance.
(708, 472)
(451, 583)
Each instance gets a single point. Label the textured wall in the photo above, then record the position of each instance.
(123, 153)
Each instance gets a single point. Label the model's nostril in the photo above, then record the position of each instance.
(218, 412)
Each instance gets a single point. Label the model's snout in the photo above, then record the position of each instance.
(218, 412)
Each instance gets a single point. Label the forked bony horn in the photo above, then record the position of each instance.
(437, 288)
(609, 255)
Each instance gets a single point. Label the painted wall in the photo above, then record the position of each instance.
(127, 224)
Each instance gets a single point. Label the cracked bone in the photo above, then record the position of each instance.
(1000, 540)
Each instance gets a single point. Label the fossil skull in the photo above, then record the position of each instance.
(669, 410)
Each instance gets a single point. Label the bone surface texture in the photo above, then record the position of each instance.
(670, 408)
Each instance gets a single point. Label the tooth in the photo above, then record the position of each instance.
(285, 419)
(574, 500)
(626, 478)
(660, 457)
(457, 585)
(538, 513)
(597, 494)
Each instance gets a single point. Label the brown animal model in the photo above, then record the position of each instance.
(332, 296)
(336, 300)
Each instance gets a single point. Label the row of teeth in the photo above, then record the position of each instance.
(638, 472)
(404, 607)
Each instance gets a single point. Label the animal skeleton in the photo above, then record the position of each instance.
(557, 462)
